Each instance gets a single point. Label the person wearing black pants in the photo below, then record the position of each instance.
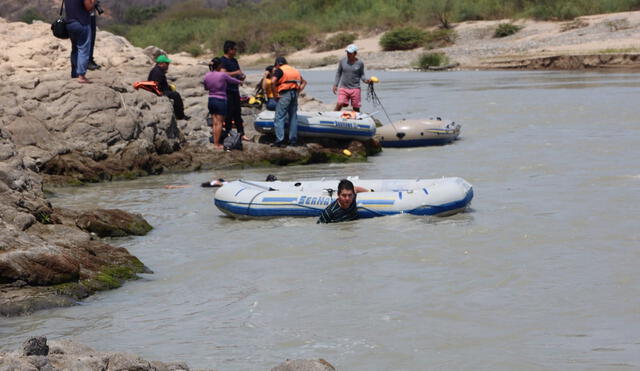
(92, 63)
(231, 66)
(159, 75)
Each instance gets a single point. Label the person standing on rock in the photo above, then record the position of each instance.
(217, 82)
(92, 65)
(347, 82)
(289, 83)
(159, 75)
(231, 66)
(78, 19)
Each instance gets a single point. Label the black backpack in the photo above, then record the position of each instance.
(59, 26)
(232, 141)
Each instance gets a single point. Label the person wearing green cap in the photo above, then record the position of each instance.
(159, 75)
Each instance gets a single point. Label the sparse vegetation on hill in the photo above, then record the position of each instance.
(282, 26)
(432, 60)
(403, 38)
(506, 29)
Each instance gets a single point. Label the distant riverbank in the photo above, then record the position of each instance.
(597, 41)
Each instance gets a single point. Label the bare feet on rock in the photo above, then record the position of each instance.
(83, 80)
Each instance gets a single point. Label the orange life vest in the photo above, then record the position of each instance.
(291, 78)
(150, 86)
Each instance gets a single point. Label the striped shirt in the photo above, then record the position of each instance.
(335, 214)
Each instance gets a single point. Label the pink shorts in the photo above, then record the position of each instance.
(345, 95)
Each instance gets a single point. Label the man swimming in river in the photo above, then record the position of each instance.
(343, 208)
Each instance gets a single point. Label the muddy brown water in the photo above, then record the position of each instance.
(541, 274)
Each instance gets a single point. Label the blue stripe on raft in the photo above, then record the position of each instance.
(400, 195)
(370, 131)
(245, 210)
(439, 209)
(415, 142)
(425, 191)
(237, 193)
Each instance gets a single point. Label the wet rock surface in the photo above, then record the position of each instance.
(39, 354)
(69, 355)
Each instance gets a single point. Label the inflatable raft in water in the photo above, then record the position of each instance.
(418, 132)
(330, 124)
(440, 197)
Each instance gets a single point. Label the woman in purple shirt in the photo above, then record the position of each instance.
(216, 82)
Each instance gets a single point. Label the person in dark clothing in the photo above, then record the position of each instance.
(78, 21)
(231, 66)
(92, 65)
(343, 208)
(159, 75)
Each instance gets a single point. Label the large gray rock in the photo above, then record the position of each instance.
(304, 365)
(35, 346)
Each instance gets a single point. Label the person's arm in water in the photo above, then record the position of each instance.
(337, 79)
(362, 189)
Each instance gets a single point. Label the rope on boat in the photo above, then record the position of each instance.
(373, 97)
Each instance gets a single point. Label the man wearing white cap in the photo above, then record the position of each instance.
(347, 82)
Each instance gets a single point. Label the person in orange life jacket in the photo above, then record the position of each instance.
(159, 75)
(289, 83)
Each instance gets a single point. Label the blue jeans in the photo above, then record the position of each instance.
(271, 104)
(80, 36)
(287, 106)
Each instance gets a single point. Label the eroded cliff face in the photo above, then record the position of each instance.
(51, 125)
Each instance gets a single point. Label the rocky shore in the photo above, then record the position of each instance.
(55, 131)
(39, 354)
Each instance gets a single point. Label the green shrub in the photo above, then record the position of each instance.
(337, 41)
(404, 38)
(506, 29)
(138, 15)
(440, 38)
(30, 15)
(195, 50)
(295, 38)
(432, 60)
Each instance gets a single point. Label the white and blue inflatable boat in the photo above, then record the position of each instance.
(329, 124)
(418, 132)
(440, 197)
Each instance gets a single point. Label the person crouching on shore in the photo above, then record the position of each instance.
(216, 82)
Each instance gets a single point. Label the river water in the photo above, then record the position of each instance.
(541, 274)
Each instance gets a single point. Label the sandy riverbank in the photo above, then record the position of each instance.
(597, 41)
